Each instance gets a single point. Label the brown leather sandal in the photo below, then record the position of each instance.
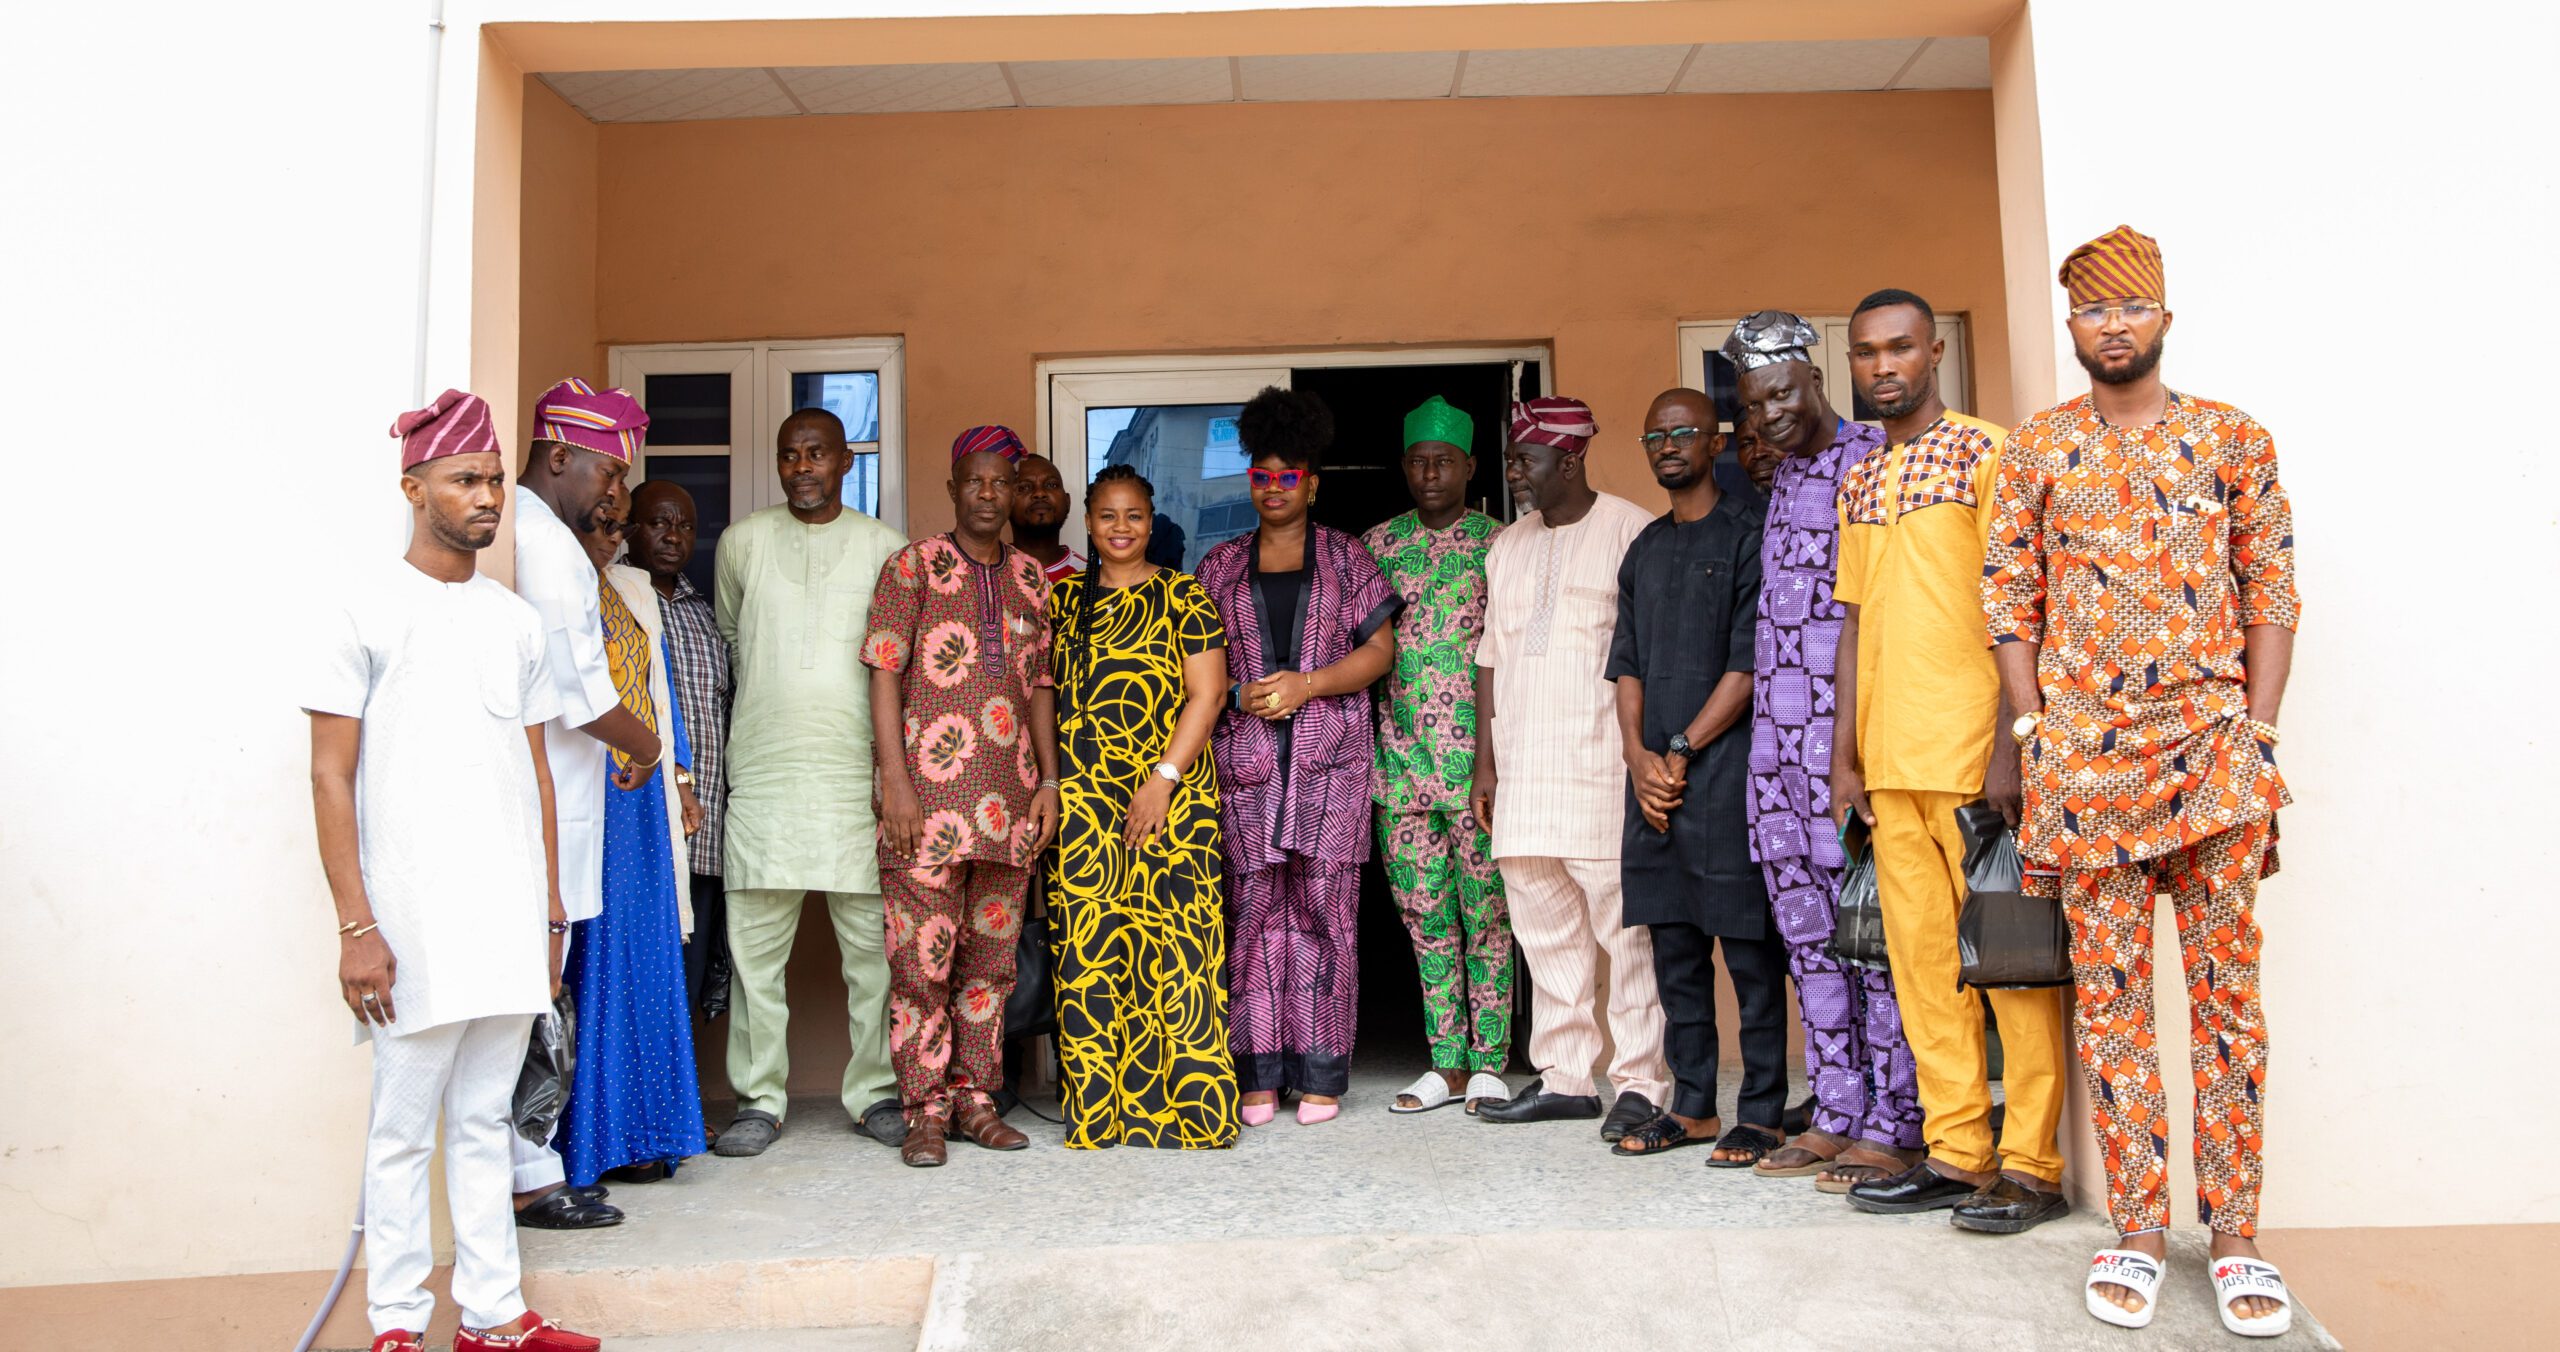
(980, 1122)
(1865, 1161)
(1810, 1152)
(926, 1144)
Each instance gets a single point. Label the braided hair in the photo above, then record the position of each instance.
(1120, 474)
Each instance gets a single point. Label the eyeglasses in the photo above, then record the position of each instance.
(1680, 437)
(1282, 479)
(2105, 312)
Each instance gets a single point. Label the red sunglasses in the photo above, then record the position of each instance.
(1283, 479)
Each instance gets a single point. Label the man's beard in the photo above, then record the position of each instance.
(1913, 396)
(2142, 364)
(1679, 479)
(458, 534)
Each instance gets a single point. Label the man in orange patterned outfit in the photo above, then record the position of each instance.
(959, 657)
(2140, 595)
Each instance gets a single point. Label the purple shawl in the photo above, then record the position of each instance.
(1317, 806)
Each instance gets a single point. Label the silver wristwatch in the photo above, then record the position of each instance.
(1168, 772)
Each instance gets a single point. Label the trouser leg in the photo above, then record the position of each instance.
(1422, 873)
(1324, 972)
(1759, 971)
(1829, 996)
(478, 1099)
(1893, 1114)
(862, 949)
(1552, 924)
(1257, 968)
(925, 917)
(1684, 979)
(1920, 876)
(2110, 911)
(1484, 924)
(1635, 1008)
(2214, 886)
(982, 975)
(410, 1072)
(763, 922)
(706, 953)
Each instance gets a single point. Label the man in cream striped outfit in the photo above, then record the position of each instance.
(1547, 748)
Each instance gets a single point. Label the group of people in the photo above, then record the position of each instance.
(1605, 738)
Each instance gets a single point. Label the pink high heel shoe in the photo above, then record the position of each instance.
(1259, 1114)
(1311, 1113)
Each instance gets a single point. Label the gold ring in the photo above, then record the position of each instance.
(1272, 700)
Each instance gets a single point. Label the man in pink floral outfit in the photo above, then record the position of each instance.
(959, 658)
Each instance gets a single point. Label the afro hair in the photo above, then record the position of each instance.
(1287, 426)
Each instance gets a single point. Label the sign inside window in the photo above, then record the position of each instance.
(1222, 455)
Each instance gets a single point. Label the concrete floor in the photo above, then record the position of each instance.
(1373, 1231)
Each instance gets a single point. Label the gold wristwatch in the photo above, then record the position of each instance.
(684, 778)
(2023, 729)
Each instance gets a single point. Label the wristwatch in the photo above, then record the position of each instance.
(1680, 746)
(2024, 729)
(1168, 772)
(684, 778)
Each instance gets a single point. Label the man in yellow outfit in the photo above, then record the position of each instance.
(1913, 521)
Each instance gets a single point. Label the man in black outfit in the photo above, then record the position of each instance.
(1682, 658)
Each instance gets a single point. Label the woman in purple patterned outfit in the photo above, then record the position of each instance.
(1309, 626)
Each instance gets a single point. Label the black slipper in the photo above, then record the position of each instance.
(1745, 1137)
(1658, 1136)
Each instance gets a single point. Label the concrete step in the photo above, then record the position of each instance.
(774, 1340)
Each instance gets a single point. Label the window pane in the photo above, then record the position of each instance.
(706, 478)
(1724, 385)
(1191, 454)
(687, 410)
(851, 395)
(862, 482)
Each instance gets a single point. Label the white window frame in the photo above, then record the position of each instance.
(1831, 356)
(1064, 389)
(760, 398)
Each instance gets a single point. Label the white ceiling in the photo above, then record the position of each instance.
(1706, 68)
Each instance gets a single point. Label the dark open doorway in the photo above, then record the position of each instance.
(1362, 485)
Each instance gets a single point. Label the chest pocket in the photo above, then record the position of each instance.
(1585, 617)
(1930, 488)
(1705, 619)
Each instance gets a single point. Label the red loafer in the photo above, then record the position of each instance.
(399, 1340)
(538, 1335)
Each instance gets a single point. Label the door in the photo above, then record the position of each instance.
(1178, 428)
(702, 421)
(863, 384)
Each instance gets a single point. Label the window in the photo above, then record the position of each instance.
(714, 409)
(1704, 367)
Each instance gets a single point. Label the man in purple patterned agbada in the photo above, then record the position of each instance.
(1866, 1118)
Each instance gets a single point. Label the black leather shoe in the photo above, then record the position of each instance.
(1918, 1188)
(2009, 1207)
(593, 1192)
(655, 1171)
(561, 1209)
(885, 1122)
(1632, 1110)
(1535, 1104)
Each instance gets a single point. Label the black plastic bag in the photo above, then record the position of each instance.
(2005, 939)
(1857, 932)
(550, 1060)
(1032, 1008)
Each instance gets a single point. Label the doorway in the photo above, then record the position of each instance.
(1174, 419)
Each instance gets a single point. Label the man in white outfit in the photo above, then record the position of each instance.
(433, 800)
(583, 442)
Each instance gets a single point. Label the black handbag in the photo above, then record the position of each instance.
(550, 1063)
(1032, 1008)
(1857, 930)
(2005, 939)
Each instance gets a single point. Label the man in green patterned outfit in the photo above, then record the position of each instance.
(1438, 859)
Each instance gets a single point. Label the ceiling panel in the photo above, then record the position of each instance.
(948, 88)
(1097, 84)
(1790, 67)
(1572, 70)
(1950, 63)
(672, 95)
(1367, 75)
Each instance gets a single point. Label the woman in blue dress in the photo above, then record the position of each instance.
(634, 1103)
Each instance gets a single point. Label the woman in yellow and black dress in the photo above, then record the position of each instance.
(1137, 925)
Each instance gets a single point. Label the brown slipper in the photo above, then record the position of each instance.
(1864, 1162)
(1809, 1153)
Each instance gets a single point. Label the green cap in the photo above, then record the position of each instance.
(1439, 420)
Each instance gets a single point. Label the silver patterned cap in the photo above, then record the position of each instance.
(1765, 337)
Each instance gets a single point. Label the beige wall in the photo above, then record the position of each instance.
(992, 239)
(557, 335)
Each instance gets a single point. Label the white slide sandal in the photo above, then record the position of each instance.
(2138, 1272)
(1486, 1087)
(1429, 1092)
(2237, 1277)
